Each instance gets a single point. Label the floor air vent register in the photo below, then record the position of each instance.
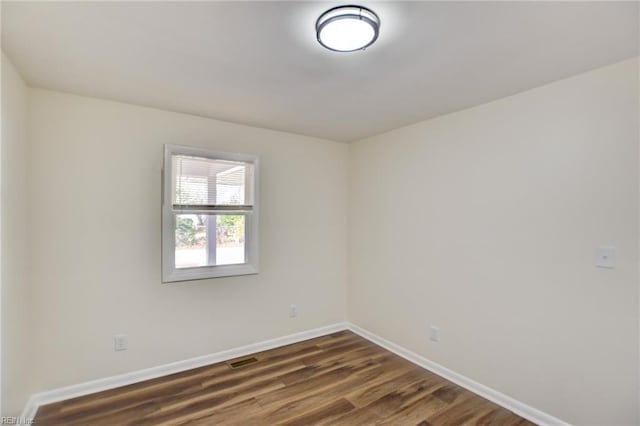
(241, 363)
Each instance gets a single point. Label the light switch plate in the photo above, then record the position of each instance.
(120, 342)
(605, 257)
(434, 333)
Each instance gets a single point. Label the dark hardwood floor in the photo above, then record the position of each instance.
(339, 379)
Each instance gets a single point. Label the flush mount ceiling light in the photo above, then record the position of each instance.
(347, 28)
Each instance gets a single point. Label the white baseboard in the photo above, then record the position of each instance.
(520, 408)
(74, 391)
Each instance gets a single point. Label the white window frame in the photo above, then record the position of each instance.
(169, 271)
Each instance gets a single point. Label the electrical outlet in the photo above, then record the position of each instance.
(434, 333)
(293, 311)
(120, 342)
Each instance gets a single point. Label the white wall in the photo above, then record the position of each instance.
(96, 179)
(484, 222)
(16, 326)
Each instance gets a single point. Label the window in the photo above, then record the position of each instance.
(209, 214)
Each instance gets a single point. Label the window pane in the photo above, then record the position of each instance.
(191, 240)
(209, 240)
(206, 181)
(230, 239)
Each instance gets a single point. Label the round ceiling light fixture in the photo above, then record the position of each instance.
(347, 28)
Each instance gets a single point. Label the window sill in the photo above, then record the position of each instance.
(206, 272)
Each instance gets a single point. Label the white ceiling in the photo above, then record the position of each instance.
(258, 63)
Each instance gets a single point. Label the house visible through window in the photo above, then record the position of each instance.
(209, 214)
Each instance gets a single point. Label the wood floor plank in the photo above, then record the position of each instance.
(471, 409)
(406, 399)
(338, 379)
(235, 414)
(415, 412)
(365, 396)
(357, 417)
(326, 413)
(292, 398)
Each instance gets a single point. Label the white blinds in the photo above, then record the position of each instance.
(206, 184)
